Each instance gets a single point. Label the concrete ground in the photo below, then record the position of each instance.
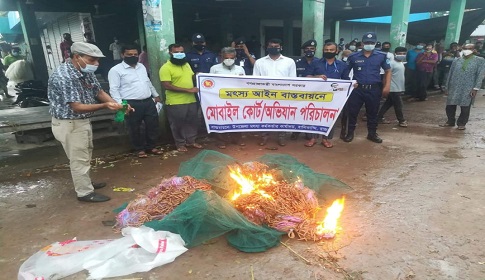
(416, 211)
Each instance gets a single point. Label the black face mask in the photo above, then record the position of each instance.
(239, 52)
(309, 53)
(385, 49)
(199, 47)
(329, 55)
(130, 60)
(274, 51)
(178, 61)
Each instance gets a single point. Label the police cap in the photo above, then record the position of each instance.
(369, 37)
(309, 43)
(198, 38)
(240, 41)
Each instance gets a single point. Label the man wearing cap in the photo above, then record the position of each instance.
(200, 59)
(302, 64)
(366, 66)
(244, 58)
(74, 94)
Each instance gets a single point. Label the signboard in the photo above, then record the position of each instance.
(250, 103)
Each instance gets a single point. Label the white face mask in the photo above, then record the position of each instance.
(369, 47)
(89, 67)
(467, 52)
(352, 48)
(229, 62)
(344, 58)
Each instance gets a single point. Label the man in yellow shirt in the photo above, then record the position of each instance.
(177, 79)
(12, 57)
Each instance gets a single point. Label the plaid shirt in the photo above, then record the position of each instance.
(67, 84)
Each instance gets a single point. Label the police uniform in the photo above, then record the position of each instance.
(241, 58)
(301, 63)
(201, 63)
(369, 91)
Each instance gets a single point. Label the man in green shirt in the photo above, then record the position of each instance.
(177, 79)
(12, 57)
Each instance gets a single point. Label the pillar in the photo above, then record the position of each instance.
(399, 23)
(312, 22)
(141, 27)
(288, 37)
(455, 20)
(32, 40)
(336, 36)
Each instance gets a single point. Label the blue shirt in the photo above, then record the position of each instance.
(201, 62)
(367, 69)
(67, 85)
(336, 70)
(244, 62)
(302, 66)
(411, 58)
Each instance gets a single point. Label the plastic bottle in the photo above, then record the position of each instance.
(120, 114)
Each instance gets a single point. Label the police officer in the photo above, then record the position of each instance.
(200, 59)
(366, 66)
(302, 64)
(244, 58)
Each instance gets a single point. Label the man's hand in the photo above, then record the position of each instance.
(356, 85)
(473, 93)
(193, 90)
(157, 99)
(385, 91)
(129, 110)
(114, 106)
(321, 77)
(246, 51)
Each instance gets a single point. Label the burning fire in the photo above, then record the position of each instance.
(251, 184)
(328, 228)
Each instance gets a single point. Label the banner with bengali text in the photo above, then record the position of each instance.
(250, 103)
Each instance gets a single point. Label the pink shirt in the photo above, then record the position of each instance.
(426, 61)
(143, 59)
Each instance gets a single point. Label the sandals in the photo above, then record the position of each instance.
(310, 143)
(182, 149)
(195, 145)
(142, 154)
(221, 146)
(326, 143)
(155, 152)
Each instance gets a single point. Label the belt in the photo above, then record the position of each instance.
(140, 100)
(370, 86)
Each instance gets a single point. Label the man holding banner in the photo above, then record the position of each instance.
(274, 65)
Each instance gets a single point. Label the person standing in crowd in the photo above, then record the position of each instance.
(425, 63)
(302, 65)
(244, 58)
(177, 80)
(143, 59)
(327, 67)
(397, 88)
(74, 94)
(359, 46)
(115, 48)
(88, 38)
(129, 81)
(12, 57)
(274, 65)
(228, 66)
(463, 83)
(65, 46)
(344, 116)
(411, 71)
(352, 46)
(444, 65)
(479, 49)
(200, 59)
(366, 67)
(341, 45)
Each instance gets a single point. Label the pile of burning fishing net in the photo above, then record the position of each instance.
(265, 199)
(159, 201)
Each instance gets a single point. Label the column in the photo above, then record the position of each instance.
(288, 37)
(312, 22)
(455, 20)
(141, 27)
(336, 36)
(399, 23)
(32, 40)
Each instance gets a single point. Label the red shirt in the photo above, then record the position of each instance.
(426, 61)
(66, 49)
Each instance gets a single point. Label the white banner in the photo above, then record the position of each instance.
(249, 103)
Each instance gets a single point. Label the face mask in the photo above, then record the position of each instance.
(239, 52)
(199, 47)
(228, 62)
(89, 67)
(359, 50)
(15, 53)
(309, 53)
(400, 57)
(369, 47)
(273, 51)
(116, 41)
(329, 55)
(467, 52)
(352, 48)
(344, 59)
(130, 60)
(385, 49)
(178, 55)
(419, 47)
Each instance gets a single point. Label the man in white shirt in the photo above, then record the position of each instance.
(228, 67)
(129, 81)
(274, 65)
(115, 47)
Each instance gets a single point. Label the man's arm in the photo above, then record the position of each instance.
(432, 59)
(168, 86)
(114, 80)
(387, 82)
(256, 69)
(292, 69)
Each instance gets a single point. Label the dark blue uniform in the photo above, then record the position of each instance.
(201, 62)
(244, 62)
(302, 66)
(369, 91)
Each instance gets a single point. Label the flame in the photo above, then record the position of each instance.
(328, 228)
(251, 184)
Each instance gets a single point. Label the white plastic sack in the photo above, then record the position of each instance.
(140, 250)
(19, 71)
